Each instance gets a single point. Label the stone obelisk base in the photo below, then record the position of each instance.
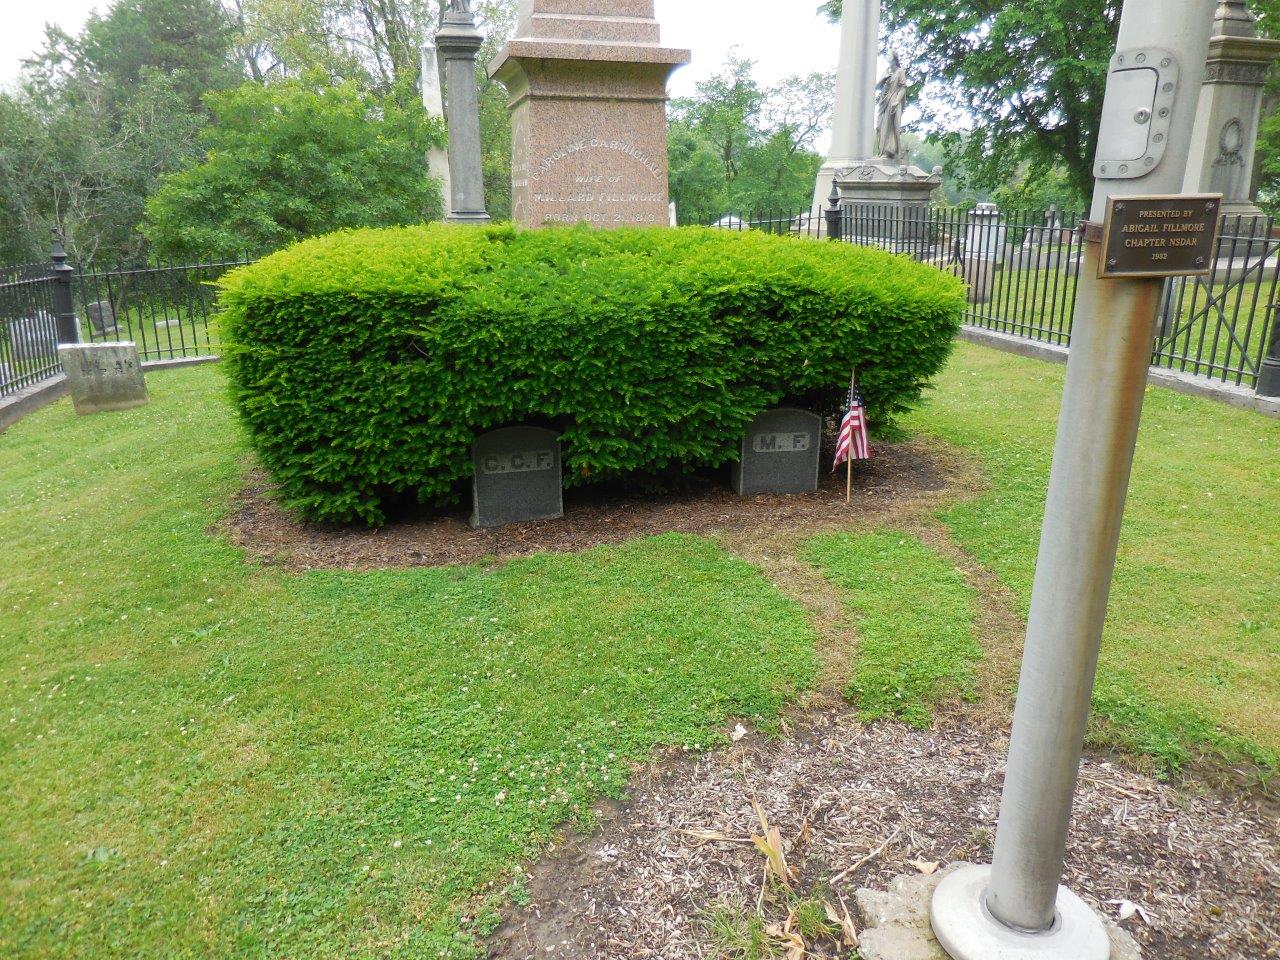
(588, 87)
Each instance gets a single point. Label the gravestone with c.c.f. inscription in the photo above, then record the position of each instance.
(517, 477)
(103, 376)
(588, 86)
(779, 454)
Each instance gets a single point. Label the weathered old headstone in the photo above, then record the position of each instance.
(34, 338)
(588, 87)
(103, 376)
(780, 454)
(517, 477)
(102, 318)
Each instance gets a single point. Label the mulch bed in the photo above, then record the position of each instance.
(899, 475)
(1196, 876)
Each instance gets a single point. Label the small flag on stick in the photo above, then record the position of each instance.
(853, 443)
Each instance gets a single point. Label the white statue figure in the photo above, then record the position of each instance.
(892, 98)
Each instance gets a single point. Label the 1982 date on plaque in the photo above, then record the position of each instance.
(1173, 236)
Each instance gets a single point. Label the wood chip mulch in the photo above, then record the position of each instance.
(901, 475)
(1192, 876)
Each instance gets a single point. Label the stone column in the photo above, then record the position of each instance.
(588, 87)
(853, 131)
(459, 41)
(433, 103)
(1227, 118)
(66, 320)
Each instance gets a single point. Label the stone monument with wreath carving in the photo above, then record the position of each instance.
(1226, 133)
(588, 86)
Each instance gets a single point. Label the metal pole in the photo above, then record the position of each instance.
(66, 321)
(1016, 907)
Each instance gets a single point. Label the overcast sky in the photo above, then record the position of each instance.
(783, 38)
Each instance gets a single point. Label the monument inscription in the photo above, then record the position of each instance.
(587, 81)
(1160, 236)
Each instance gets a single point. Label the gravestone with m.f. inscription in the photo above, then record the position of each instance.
(588, 86)
(780, 453)
(517, 477)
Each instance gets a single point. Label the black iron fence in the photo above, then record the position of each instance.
(1022, 269)
(168, 311)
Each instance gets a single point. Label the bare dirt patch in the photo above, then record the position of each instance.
(903, 478)
(886, 800)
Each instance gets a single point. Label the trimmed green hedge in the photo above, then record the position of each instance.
(365, 362)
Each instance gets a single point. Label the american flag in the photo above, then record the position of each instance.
(853, 443)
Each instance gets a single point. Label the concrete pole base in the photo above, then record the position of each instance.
(967, 931)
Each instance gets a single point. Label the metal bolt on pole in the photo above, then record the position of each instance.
(66, 322)
(1016, 908)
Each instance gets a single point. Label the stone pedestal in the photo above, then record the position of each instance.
(459, 41)
(1226, 131)
(588, 87)
(103, 376)
(885, 200)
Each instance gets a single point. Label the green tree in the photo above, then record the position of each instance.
(291, 159)
(97, 119)
(1031, 75)
(738, 147)
(1266, 175)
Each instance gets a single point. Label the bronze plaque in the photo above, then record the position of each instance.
(1174, 236)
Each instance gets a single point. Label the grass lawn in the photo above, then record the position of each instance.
(915, 622)
(204, 759)
(1191, 658)
(208, 758)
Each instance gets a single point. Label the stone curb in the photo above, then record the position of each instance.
(1241, 397)
(40, 395)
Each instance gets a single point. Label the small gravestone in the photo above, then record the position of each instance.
(34, 338)
(779, 454)
(517, 477)
(103, 376)
(102, 318)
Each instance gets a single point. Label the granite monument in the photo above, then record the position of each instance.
(102, 318)
(588, 86)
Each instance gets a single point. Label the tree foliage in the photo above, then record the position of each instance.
(1017, 86)
(100, 118)
(736, 146)
(292, 159)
